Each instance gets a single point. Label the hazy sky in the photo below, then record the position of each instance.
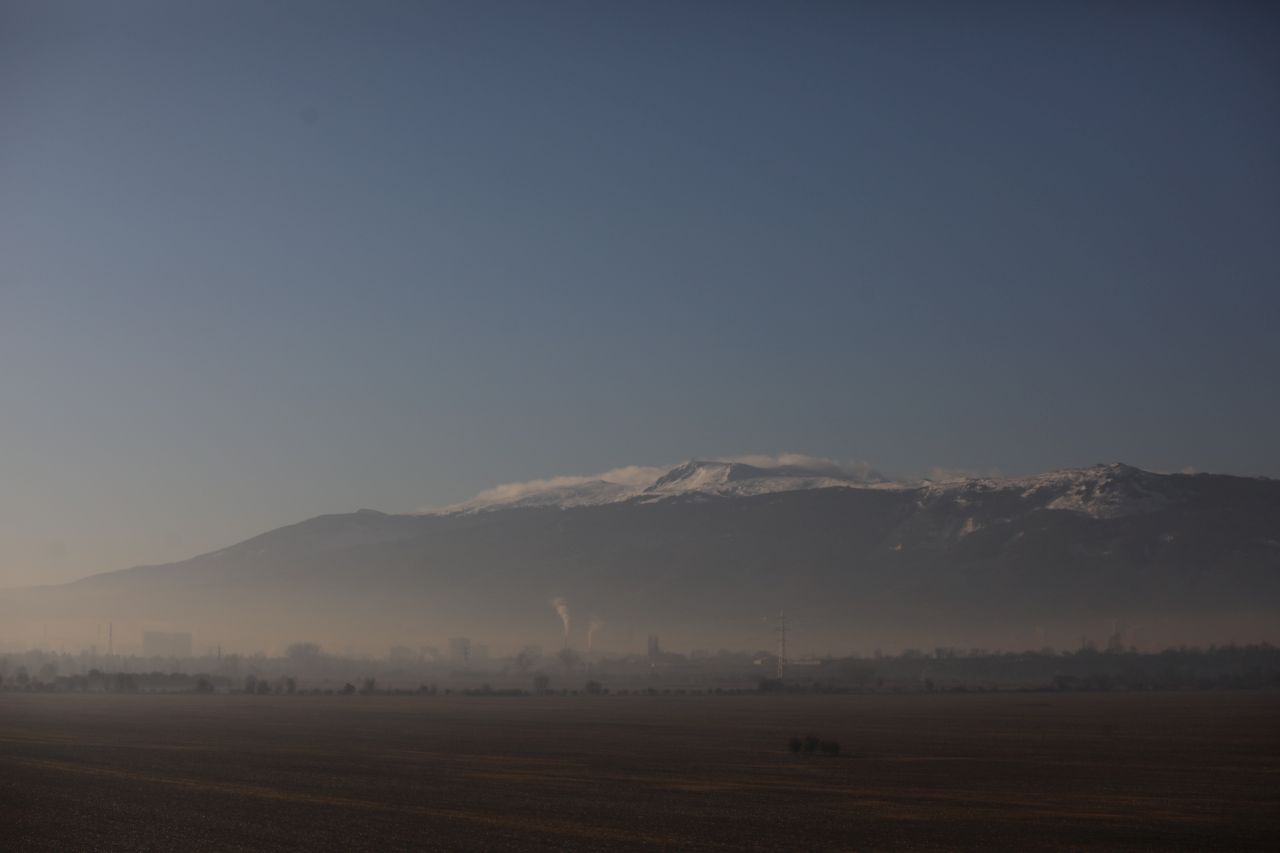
(264, 260)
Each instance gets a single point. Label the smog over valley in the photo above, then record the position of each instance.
(925, 354)
(707, 553)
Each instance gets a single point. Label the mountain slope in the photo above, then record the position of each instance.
(706, 553)
(695, 477)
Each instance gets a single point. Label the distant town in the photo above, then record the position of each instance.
(167, 663)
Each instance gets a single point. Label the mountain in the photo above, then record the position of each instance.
(706, 554)
(695, 477)
(1103, 491)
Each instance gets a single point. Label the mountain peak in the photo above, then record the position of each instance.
(1104, 490)
(700, 472)
(709, 477)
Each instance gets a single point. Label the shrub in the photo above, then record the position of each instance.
(812, 744)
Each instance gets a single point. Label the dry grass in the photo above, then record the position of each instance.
(1132, 771)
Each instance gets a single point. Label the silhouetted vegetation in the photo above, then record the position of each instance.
(812, 744)
(944, 670)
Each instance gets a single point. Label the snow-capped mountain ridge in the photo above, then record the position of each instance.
(707, 477)
(983, 558)
(1100, 491)
(717, 477)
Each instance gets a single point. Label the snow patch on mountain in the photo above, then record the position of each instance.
(617, 485)
(1102, 491)
(697, 477)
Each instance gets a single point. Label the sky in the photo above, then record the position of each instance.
(265, 260)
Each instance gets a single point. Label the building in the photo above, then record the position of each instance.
(459, 650)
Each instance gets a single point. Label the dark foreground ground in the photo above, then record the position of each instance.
(1012, 771)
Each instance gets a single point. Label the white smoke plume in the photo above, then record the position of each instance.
(562, 610)
(593, 626)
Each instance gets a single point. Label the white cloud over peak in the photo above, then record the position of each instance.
(815, 464)
(630, 475)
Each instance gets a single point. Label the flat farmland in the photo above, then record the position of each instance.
(88, 772)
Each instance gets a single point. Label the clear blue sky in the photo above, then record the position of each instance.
(263, 260)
